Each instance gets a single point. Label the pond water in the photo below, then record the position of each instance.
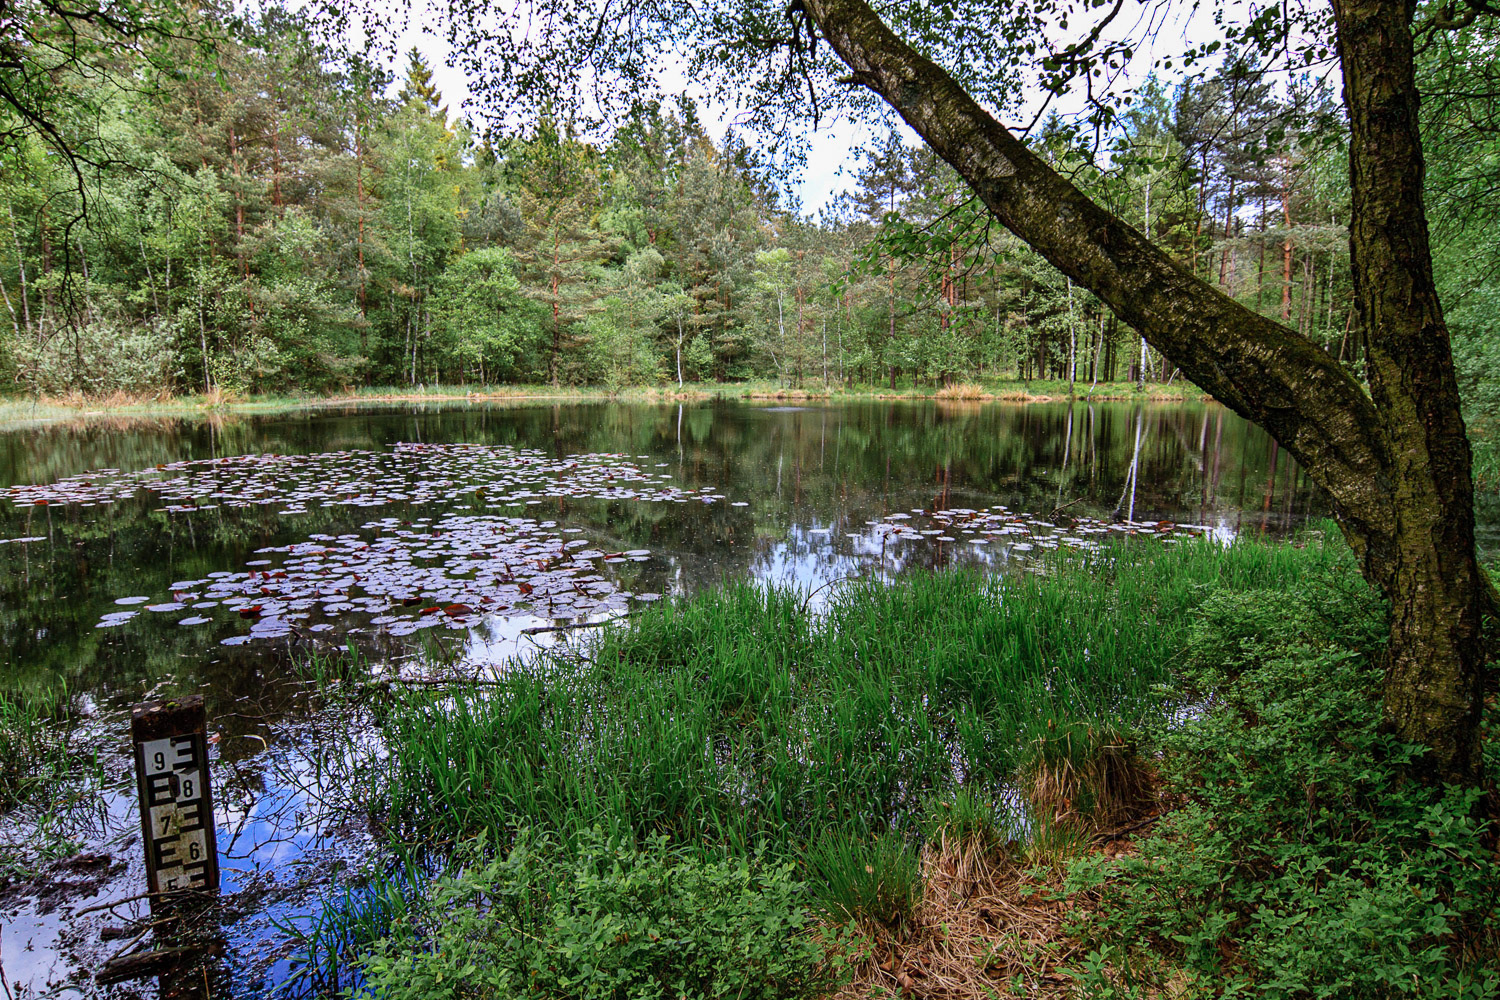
(160, 557)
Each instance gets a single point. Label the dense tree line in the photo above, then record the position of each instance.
(298, 222)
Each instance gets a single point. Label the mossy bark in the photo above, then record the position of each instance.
(1395, 461)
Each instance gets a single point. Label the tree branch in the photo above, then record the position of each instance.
(1259, 368)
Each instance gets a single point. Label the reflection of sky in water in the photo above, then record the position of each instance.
(784, 496)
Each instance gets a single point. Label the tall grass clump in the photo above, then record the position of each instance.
(329, 945)
(40, 750)
(736, 717)
(51, 780)
(962, 390)
(875, 881)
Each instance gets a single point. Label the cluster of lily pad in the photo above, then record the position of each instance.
(399, 576)
(395, 575)
(1023, 532)
(410, 575)
(409, 472)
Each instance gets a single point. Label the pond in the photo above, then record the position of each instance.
(162, 557)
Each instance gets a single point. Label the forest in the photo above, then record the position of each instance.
(295, 219)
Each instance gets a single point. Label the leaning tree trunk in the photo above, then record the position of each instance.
(1395, 462)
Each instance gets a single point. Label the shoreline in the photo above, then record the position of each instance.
(17, 414)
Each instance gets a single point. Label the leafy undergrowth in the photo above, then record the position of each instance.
(608, 920)
(1300, 861)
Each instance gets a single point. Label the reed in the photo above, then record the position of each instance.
(964, 391)
(873, 883)
(738, 718)
(41, 751)
(327, 943)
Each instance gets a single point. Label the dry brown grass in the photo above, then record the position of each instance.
(787, 394)
(217, 397)
(984, 923)
(992, 916)
(117, 400)
(679, 395)
(1107, 784)
(988, 921)
(962, 390)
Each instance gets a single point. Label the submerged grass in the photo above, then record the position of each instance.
(50, 778)
(40, 749)
(328, 946)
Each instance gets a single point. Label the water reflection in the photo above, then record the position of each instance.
(810, 496)
(796, 483)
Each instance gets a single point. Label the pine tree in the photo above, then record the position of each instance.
(419, 89)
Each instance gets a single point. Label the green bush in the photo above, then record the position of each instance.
(1302, 861)
(609, 922)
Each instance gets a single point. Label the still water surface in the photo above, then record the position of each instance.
(174, 556)
(771, 493)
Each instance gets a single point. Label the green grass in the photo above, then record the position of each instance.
(49, 774)
(1296, 858)
(40, 749)
(866, 882)
(343, 928)
(735, 732)
(737, 717)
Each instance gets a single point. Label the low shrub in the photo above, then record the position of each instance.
(1302, 860)
(609, 921)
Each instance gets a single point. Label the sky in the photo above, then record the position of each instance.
(833, 154)
(831, 159)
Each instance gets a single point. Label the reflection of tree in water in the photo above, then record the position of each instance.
(798, 469)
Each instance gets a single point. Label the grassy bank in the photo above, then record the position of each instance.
(739, 718)
(1146, 772)
(20, 410)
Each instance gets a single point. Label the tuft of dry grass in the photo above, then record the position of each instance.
(787, 394)
(963, 390)
(983, 921)
(117, 400)
(1105, 782)
(217, 397)
(991, 923)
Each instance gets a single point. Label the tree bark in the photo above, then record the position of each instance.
(1394, 463)
(1423, 558)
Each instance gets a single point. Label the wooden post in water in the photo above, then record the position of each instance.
(177, 810)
